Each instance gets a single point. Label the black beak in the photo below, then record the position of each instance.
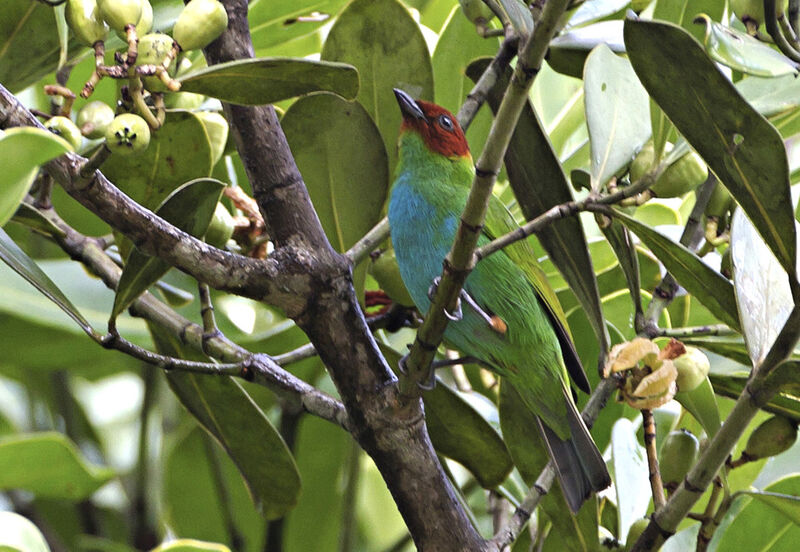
(408, 106)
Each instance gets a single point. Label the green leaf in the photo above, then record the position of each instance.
(275, 22)
(745, 152)
(519, 15)
(49, 465)
(620, 240)
(787, 505)
(707, 285)
(269, 80)
(33, 218)
(539, 183)
(26, 267)
(344, 164)
(20, 534)
(762, 288)
(743, 53)
(29, 147)
(458, 45)
(191, 545)
(776, 533)
(684, 12)
(617, 113)
(631, 475)
(189, 208)
(568, 51)
(593, 11)
(28, 31)
(702, 404)
(202, 486)
(771, 96)
(179, 152)
(380, 38)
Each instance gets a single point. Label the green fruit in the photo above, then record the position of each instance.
(476, 11)
(145, 23)
(683, 176)
(635, 531)
(183, 100)
(643, 161)
(771, 438)
(85, 20)
(127, 134)
(94, 118)
(118, 13)
(386, 272)
(678, 455)
(154, 48)
(217, 129)
(748, 10)
(64, 127)
(221, 227)
(720, 201)
(199, 24)
(639, 5)
(692, 367)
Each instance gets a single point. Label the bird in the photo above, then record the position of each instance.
(510, 319)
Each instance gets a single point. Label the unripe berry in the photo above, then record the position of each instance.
(221, 227)
(118, 13)
(771, 438)
(94, 118)
(678, 455)
(692, 367)
(154, 48)
(85, 21)
(64, 127)
(199, 24)
(127, 134)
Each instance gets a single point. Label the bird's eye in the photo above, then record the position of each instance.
(446, 122)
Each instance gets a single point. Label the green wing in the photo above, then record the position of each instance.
(499, 221)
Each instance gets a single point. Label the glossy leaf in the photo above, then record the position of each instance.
(19, 534)
(617, 113)
(189, 208)
(268, 80)
(684, 13)
(48, 465)
(593, 11)
(631, 475)
(742, 149)
(275, 22)
(771, 96)
(776, 532)
(458, 45)
(519, 15)
(539, 183)
(788, 505)
(201, 485)
(385, 44)
(569, 50)
(702, 404)
(191, 545)
(26, 267)
(704, 283)
(344, 164)
(28, 31)
(235, 421)
(620, 240)
(33, 218)
(29, 147)
(742, 52)
(179, 152)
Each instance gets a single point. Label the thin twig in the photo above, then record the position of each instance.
(656, 485)
(480, 92)
(369, 242)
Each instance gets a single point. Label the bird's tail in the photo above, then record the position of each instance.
(579, 466)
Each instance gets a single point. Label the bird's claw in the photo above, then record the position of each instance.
(430, 382)
(434, 287)
(495, 322)
(401, 365)
(453, 316)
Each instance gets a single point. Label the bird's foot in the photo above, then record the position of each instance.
(453, 316)
(430, 380)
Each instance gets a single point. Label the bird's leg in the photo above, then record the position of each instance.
(494, 321)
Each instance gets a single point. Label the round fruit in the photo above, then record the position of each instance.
(476, 11)
(154, 48)
(692, 367)
(771, 438)
(119, 13)
(183, 100)
(127, 134)
(64, 127)
(748, 10)
(217, 129)
(643, 161)
(146, 19)
(85, 20)
(720, 201)
(94, 118)
(678, 454)
(199, 24)
(386, 272)
(683, 176)
(220, 229)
